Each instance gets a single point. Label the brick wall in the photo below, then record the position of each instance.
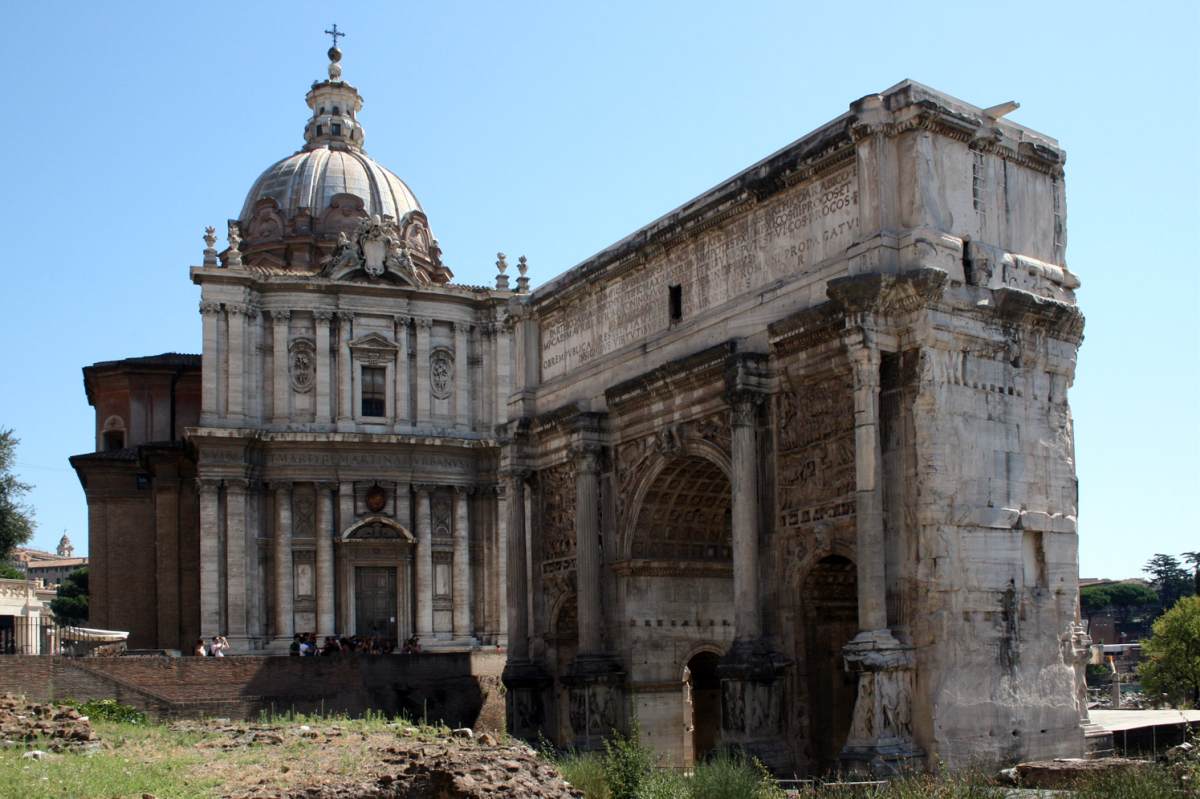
(460, 690)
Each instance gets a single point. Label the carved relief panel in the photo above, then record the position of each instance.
(441, 372)
(302, 364)
(814, 428)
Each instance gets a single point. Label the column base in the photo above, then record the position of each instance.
(526, 700)
(880, 742)
(753, 699)
(596, 700)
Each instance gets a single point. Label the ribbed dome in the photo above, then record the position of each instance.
(310, 178)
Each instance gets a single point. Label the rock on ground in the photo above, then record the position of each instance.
(1063, 772)
(61, 726)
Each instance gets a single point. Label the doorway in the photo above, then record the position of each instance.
(704, 695)
(375, 601)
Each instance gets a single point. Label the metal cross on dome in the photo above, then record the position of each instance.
(335, 33)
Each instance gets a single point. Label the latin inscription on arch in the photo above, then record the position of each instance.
(786, 235)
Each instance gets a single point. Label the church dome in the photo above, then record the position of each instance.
(313, 177)
(331, 163)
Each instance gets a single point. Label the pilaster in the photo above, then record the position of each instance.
(235, 562)
(323, 320)
(236, 400)
(284, 590)
(282, 385)
(209, 362)
(403, 379)
(424, 328)
(462, 375)
(461, 582)
(210, 561)
(345, 412)
(424, 565)
(326, 624)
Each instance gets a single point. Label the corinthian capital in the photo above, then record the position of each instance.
(744, 405)
(586, 457)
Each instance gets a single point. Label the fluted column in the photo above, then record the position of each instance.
(424, 566)
(747, 613)
(868, 465)
(462, 374)
(237, 366)
(210, 557)
(209, 362)
(403, 403)
(345, 394)
(324, 382)
(424, 327)
(325, 575)
(284, 590)
(279, 345)
(518, 569)
(587, 546)
(461, 566)
(235, 558)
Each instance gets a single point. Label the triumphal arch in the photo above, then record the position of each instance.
(791, 468)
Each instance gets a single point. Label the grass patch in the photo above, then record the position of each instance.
(143, 759)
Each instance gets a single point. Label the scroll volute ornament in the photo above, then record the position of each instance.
(376, 498)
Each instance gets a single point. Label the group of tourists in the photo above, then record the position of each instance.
(216, 648)
(305, 645)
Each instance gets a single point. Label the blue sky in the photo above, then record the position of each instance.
(554, 130)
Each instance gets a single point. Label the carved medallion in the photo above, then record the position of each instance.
(302, 364)
(441, 372)
(376, 498)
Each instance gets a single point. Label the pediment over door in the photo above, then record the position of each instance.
(377, 528)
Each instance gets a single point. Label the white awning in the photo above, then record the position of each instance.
(91, 634)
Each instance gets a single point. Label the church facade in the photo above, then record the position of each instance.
(336, 445)
(789, 469)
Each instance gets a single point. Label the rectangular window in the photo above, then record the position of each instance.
(676, 300)
(337, 129)
(374, 391)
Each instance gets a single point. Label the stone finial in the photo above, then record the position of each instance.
(501, 278)
(523, 280)
(210, 250)
(233, 256)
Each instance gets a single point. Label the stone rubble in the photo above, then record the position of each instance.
(58, 728)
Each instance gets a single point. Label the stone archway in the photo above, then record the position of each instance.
(830, 598)
(677, 589)
(684, 513)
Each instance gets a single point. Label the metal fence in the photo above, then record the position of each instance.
(40, 635)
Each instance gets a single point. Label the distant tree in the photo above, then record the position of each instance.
(71, 604)
(1171, 656)
(16, 517)
(1124, 599)
(1171, 580)
(1194, 559)
(10, 572)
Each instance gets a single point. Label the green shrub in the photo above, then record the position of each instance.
(628, 763)
(110, 710)
(729, 775)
